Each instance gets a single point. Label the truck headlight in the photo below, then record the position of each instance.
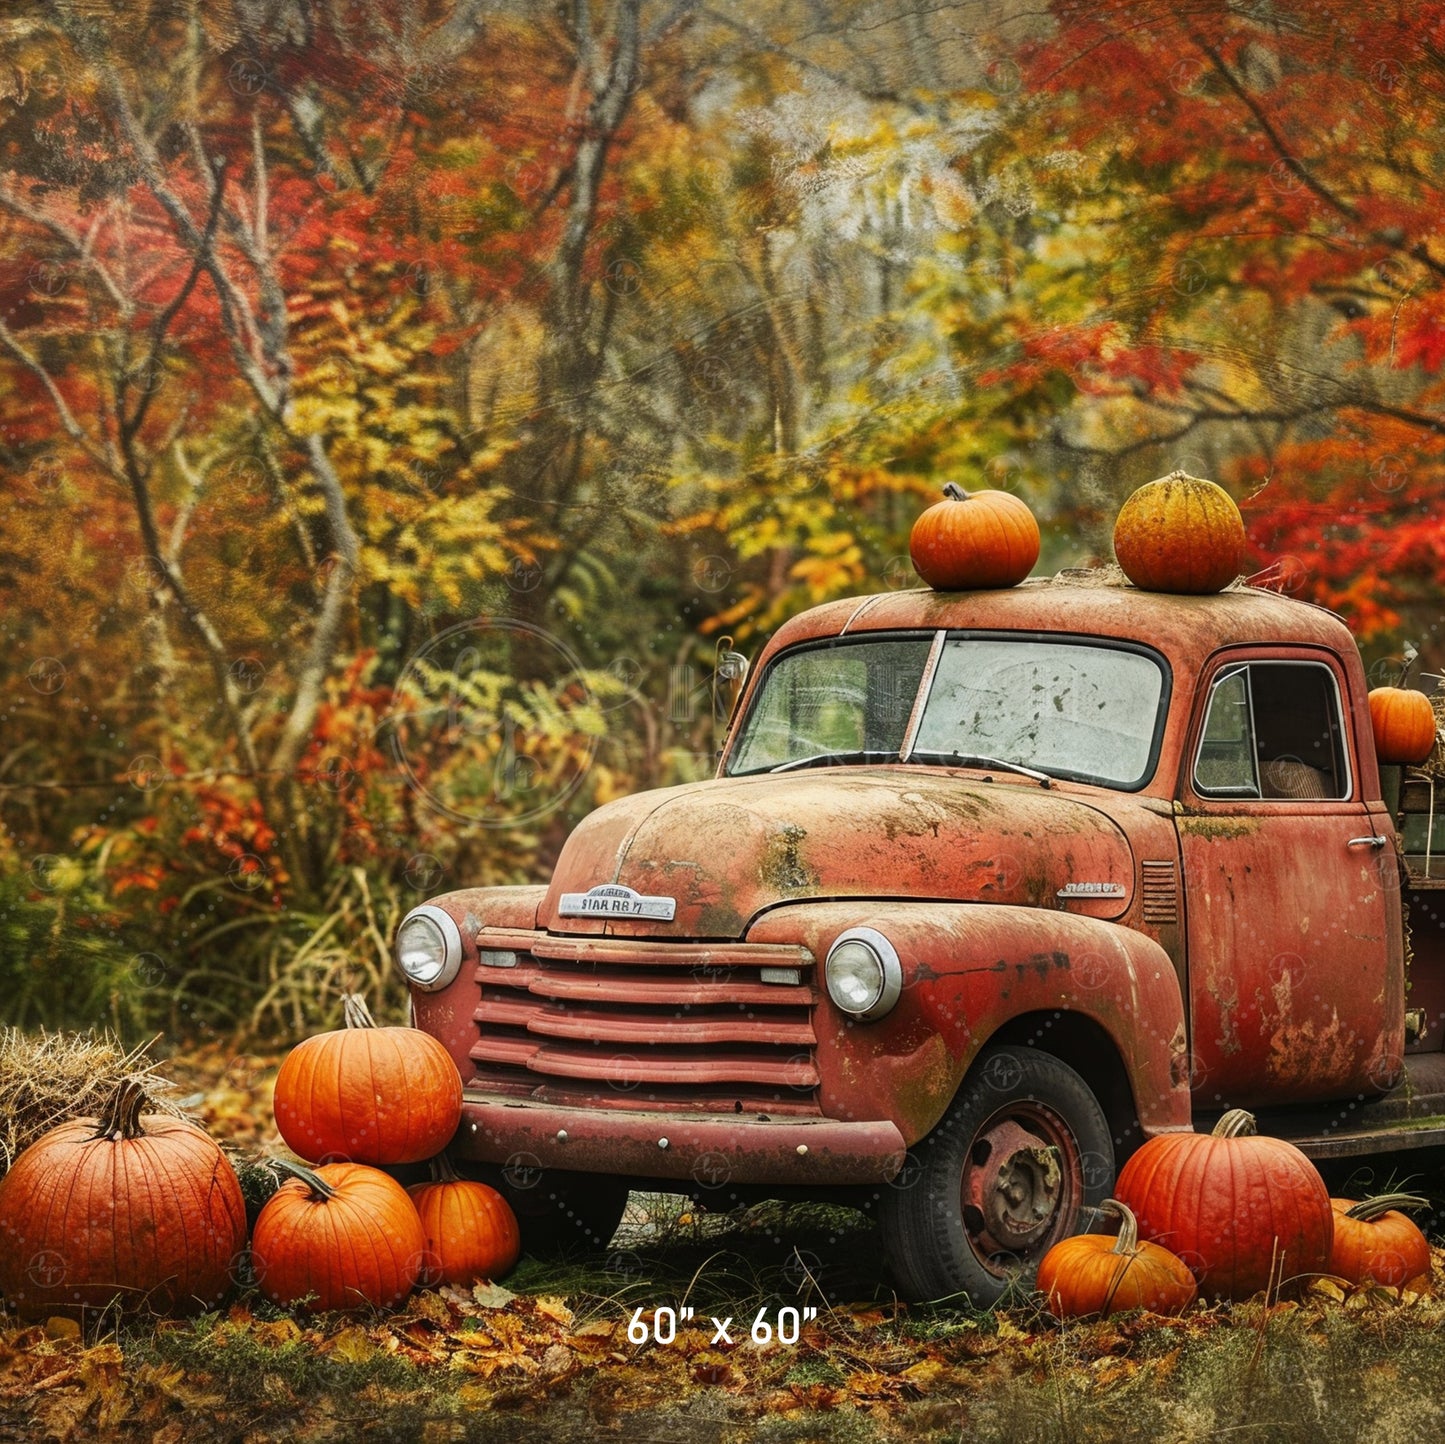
(863, 972)
(428, 948)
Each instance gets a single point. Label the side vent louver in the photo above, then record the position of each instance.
(1161, 893)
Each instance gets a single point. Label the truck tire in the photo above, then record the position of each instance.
(1023, 1149)
(560, 1214)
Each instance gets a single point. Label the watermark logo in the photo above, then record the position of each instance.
(146, 773)
(147, 970)
(46, 675)
(47, 1269)
(248, 673)
(1003, 1072)
(424, 871)
(469, 734)
(522, 1170)
(247, 77)
(712, 1169)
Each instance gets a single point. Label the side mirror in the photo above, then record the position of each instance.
(730, 672)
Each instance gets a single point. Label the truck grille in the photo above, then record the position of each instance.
(640, 1024)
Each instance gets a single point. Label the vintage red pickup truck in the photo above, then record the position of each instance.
(990, 887)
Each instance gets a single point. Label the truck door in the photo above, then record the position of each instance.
(1296, 988)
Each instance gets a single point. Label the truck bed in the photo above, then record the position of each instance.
(1408, 1117)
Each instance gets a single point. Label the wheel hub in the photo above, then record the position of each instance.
(1012, 1188)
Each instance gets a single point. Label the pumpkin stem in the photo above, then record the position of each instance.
(120, 1119)
(1128, 1240)
(1237, 1123)
(355, 1011)
(321, 1191)
(1382, 1203)
(443, 1170)
(954, 492)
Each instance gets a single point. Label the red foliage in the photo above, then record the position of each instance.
(1270, 190)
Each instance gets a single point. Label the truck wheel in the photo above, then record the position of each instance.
(1023, 1148)
(559, 1213)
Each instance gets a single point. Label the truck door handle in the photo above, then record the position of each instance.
(1367, 841)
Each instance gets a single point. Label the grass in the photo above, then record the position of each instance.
(1308, 1372)
(868, 1372)
(555, 1362)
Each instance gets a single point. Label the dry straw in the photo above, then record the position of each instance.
(48, 1078)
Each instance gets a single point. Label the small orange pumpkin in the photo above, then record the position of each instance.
(340, 1237)
(1245, 1213)
(1179, 534)
(1376, 1243)
(1403, 723)
(471, 1231)
(974, 539)
(1091, 1274)
(368, 1094)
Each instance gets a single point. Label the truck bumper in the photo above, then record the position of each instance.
(704, 1148)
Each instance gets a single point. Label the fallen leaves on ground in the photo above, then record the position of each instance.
(251, 1374)
(454, 1359)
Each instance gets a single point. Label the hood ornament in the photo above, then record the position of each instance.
(613, 900)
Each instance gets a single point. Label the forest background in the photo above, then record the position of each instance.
(404, 406)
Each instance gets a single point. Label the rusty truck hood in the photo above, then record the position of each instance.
(727, 849)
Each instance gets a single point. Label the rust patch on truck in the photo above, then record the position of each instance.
(1226, 994)
(1299, 1052)
(1218, 829)
(781, 866)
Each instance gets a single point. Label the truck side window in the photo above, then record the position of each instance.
(1225, 766)
(1273, 732)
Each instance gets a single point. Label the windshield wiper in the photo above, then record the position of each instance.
(975, 759)
(820, 759)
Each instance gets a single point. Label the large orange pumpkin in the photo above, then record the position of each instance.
(1179, 534)
(974, 539)
(1090, 1274)
(134, 1207)
(340, 1237)
(1244, 1212)
(367, 1094)
(1403, 723)
(471, 1231)
(1376, 1243)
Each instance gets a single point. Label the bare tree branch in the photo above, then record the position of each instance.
(71, 426)
(130, 426)
(335, 604)
(1418, 250)
(81, 247)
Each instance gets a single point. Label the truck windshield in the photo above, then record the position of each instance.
(1082, 710)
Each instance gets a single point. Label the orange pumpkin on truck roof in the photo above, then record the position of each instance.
(1180, 534)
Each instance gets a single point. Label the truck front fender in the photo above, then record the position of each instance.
(968, 969)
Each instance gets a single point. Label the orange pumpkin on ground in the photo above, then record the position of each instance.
(368, 1095)
(139, 1208)
(974, 539)
(343, 1236)
(1245, 1213)
(1404, 725)
(1376, 1243)
(1091, 1274)
(471, 1231)
(1179, 534)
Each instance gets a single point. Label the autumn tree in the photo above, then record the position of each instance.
(1241, 273)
